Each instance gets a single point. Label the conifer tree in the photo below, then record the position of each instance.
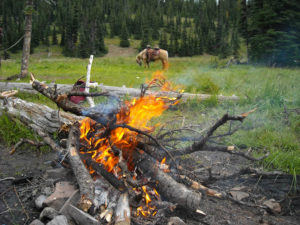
(124, 42)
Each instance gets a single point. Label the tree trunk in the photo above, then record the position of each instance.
(27, 38)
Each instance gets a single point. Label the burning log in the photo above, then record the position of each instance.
(83, 177)
(168, 187)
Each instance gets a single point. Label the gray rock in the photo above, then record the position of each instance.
(176, 221)
(47, 191)
(59, 220)
(36, 222)
(48, 213)
(39, 201)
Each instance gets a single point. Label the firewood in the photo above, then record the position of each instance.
(167, 186)
(84, 180)
(123, 210)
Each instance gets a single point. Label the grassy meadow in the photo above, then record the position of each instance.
(275, 92)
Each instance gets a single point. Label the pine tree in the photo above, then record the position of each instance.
(54, 36)
(124, 42)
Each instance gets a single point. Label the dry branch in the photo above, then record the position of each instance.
(197, 146)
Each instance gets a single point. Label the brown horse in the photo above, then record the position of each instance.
(161, 55)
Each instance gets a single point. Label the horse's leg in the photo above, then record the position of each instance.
(164, 64)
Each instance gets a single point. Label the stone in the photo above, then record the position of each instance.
(63, 190)
(59, 220)
(81, 217)
(57, 174)
(47, 191)
(48, 213)
(39, 201)
(239, 195)
(176, 221)
(36, 222)
(273, 206)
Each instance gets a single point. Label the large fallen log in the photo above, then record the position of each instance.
(43, 117)
(118, 91)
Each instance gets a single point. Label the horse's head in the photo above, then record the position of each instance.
(139, 60)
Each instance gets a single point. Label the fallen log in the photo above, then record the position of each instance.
(43, 117)
(118, 91)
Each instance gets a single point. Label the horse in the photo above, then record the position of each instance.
(160, 54)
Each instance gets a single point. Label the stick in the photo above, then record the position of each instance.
(88, 76)
(25, 212)
(197, 186)
(22, 141)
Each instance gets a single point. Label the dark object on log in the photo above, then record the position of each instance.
(75, 98)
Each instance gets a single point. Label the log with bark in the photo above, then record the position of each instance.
(116, 91)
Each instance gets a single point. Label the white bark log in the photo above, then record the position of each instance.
(119, 91)
(36, 115)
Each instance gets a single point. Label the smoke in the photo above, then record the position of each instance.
(105, 111)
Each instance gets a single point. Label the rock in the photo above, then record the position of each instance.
(59, 220)
(239, 195)
(39, 201)
(57, 174)
(47, 191)
(36, 222)
(81, 217)
(176, 221)
(48, 214)
(63, 190)
(273, 206)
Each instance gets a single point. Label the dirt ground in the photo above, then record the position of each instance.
(26, 166)
(116, 51)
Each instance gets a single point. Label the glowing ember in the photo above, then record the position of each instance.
(147, 210)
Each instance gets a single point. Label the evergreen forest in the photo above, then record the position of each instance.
(268, 29)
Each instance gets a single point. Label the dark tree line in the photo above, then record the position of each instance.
(269, 28)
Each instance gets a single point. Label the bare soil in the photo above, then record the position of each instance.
(116, 51)
(26, 166)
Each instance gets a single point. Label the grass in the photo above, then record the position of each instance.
(270, 90)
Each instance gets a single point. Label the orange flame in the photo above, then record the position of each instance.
(136, 113)
(147, 209)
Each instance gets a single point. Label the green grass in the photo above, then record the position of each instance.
(270, 90)
(12, 130)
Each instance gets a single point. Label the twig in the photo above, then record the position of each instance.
(25, 212)
(147, 135)
(197, 146)
(7, 178)
(22, 141)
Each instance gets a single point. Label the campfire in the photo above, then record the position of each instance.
(126, 167)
